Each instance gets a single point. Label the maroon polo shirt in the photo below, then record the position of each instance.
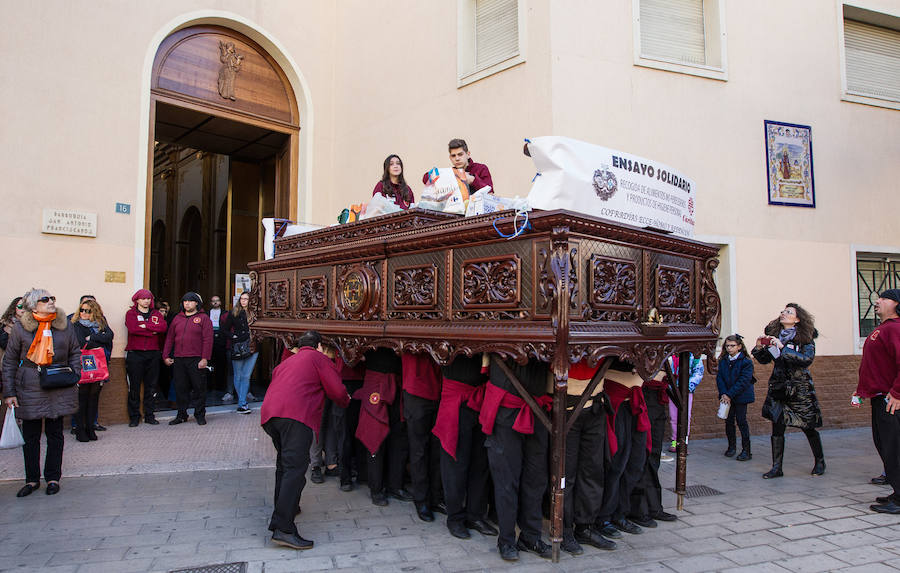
(190, 336)
(879, 370)
(421, 376)
(144, 333)
(298, 389)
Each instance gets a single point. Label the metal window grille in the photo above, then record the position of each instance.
(873, 275)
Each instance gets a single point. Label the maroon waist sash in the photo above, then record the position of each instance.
(378, 390)
(495, 397)
(453, 395)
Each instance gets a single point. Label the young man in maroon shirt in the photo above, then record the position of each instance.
(191, 338)
(291, 414)
(879, 380)
(474, 175)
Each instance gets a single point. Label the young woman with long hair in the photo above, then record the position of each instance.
(393, 184)
(735, 382)
(789, 343)
(235, 325)
(93, 331)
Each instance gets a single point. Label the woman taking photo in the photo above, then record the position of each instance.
(735, 382)
(393, 184)
(243, 355)
(93, 332)
(789, 342)
(42, 337)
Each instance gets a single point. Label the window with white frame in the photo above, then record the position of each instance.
(686, 36)
(871, 56)
(490, 38)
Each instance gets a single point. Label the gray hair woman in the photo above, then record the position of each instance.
(42, 336)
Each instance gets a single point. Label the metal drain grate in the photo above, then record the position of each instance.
(698, 491)
(220, 568)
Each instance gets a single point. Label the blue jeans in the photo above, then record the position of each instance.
(242, 371)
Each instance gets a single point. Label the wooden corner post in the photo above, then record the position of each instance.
(559, 319)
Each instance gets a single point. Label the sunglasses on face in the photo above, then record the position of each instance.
(47, 299)
(85, 310)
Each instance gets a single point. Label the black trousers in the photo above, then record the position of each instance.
(646, 497)
(886, 435)
(31, 451)
(424, 448)
(465, 479)
(387, 465)
(351, 448)
(518, 465)
(142, 366)
(219, 362)
(88, 404)
(585, 461)
(291, 440)
(738, 413)
(625, 468)
(190, 386)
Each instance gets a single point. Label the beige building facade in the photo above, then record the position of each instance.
(374, 78)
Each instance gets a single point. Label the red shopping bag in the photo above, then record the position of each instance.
(93, 366)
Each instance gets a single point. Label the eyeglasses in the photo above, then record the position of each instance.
(47, 299)
(85, 310)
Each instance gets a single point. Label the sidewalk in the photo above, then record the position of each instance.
(212, 506)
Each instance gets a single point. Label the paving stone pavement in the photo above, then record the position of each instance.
(133, 513)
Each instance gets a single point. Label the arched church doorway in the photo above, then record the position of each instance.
(224, 138)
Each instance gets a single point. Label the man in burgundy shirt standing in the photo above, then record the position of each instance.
(191, 337)
(879, 380)
(291, 414)
(474, 175)
(146, 327)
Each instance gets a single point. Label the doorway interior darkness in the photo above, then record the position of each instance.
(213, 182)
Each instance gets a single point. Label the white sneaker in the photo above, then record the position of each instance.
(228, 397)
(251, 397)
(666, 458)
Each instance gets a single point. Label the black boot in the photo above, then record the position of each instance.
(745, 451)
(815, 444)
(731, 449)
(777, 457)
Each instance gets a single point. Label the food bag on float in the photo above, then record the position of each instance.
(615, 185)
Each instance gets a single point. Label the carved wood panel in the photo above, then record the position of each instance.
(613, 282)
(492, 281)
(673, 288)
(224, 68)
(415, 287)
(311, 293)
(278, 298)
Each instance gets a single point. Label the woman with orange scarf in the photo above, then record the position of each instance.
(41, 337)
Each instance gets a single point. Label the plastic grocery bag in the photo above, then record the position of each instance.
(723, 410)
(379, 205)
(12, 435)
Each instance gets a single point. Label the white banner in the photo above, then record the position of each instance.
(606, 183)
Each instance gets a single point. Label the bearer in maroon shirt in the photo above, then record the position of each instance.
(191, 337)
(879, 380)
(474, 175)
(291, 414)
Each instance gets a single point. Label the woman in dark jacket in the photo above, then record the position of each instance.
(791, 400)
(236, 327)
(93, 332)
(42, 336)
(735, 382)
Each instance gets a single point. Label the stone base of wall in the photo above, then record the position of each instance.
(835, 380)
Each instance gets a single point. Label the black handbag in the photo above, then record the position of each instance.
(241, 350)
(56, 376)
